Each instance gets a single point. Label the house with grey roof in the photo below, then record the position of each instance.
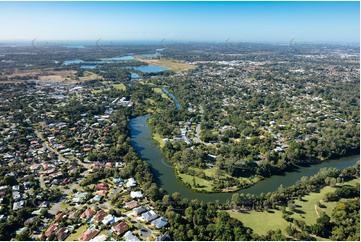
(160, 222)
(149, 216)
(139, 210)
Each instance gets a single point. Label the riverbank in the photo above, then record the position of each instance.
(164, 173)
(199, 184)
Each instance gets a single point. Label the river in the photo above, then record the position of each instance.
(148, 150)
(177, 105)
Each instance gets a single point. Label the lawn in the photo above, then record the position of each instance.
(202, 184)
(88, 76)
(211, 172)
(120, 86)
(308, 206)
(261, 222)
(159, 90)
(306, 209)
(99, 90)
(77, 233)
(159, 139)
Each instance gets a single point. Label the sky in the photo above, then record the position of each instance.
(181, 21)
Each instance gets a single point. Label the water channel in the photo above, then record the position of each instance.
(148, 150)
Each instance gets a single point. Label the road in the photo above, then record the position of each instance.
(198, 131)
(197, 138)
(42, 182)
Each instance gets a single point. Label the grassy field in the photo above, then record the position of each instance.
(120, 86)
(308, 206)
(88, 76)
(306, 209)
(159, 139)
(78, 232)
(212, 172)
(159, 90)
(175, 66)
(100, 91)
(202, 184)
(261, 222)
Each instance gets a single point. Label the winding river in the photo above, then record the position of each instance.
(148, 150)
(177, 105)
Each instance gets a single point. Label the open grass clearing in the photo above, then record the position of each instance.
(159, 139)
(173, 65)
(100, 90)
(213, 172)
(120, 86)
(261, 222)
(201, 184)
(306, 209)
(159, 90)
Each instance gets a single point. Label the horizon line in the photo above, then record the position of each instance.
(177, 41)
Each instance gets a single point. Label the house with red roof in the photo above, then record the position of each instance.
(88, 234)
(99, 216)
(120, 228)
(87, 213)
(102, 186)
(51, 230)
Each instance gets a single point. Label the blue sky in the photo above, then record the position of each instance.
(182, 21)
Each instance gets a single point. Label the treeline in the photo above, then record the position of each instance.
(283, 196)
(197, 220)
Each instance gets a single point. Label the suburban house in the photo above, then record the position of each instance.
(131, 204)
(128, 236)
(99, 216)
(87, 213)
(88, 234)
(97, 198)
(62, 233)
(160, 222)
(139, 210)
(164, 237)
(131, 183)
(59, 216)
(109, 219)
(101, 186)
(80, 197)
(120, 228)
(51, 230)
(137, 194)
(101, 237)
(149, 216)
